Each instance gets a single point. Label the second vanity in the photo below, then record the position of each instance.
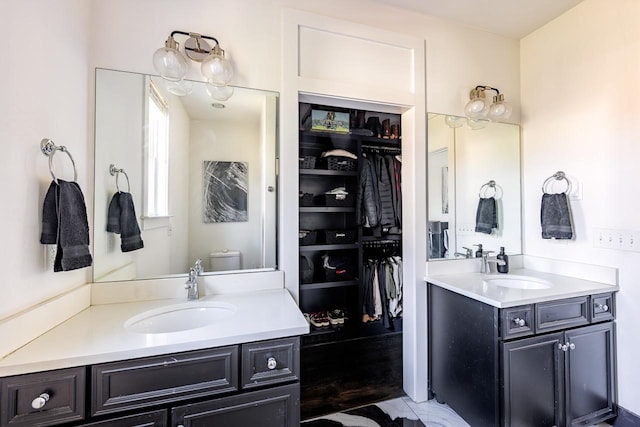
(524, 348)
(96, 369)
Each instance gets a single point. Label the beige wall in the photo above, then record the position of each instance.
(580, 86)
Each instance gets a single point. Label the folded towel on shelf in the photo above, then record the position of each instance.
(64, 215)
(121, 219)
(486, 215)
(340, 152)
(555, 217)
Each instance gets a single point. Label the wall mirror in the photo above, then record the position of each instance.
(201, 174)
(467, 161)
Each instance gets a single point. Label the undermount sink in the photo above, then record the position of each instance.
(518, 282)
(179, 317)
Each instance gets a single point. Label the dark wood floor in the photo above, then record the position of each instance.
(342, 375)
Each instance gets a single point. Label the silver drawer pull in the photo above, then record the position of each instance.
(272, 363)
(603, 307)
(520, 322)
(563, 347)
(40, 401)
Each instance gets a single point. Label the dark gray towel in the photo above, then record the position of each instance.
(121, 219)
(64, 215)
(555, 217)
(486, 215)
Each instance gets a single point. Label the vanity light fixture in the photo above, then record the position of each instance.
(173, 65)
(479, 109)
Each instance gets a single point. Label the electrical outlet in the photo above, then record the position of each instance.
(466, 229)
(622, 240)
(49, 256)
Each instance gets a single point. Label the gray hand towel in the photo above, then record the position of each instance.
(486, 215)
(64, 222)
(130, 239)
(113, 214)
(555, 217)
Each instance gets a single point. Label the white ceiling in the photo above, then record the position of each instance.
(510, 18)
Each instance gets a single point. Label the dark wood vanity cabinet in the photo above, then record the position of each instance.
(545, 364)
(255, 383)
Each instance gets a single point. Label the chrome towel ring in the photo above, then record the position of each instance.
(116, 172)
(558, 176)
(48, 148)
(487, 187)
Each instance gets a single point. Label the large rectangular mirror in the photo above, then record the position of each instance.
(201, 174)
(467, 162)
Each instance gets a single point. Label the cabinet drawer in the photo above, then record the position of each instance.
(602, 307)
(148, 419)
(272, 407)
(159, 379)
(270, 362)
(516, 321)
(561, 314)
(61, 394)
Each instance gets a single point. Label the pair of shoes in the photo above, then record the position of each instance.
(336, 317)
(366, 318)
(319, 319)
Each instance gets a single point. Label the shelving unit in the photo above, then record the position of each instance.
(327, 386)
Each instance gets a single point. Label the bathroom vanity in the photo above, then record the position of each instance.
(93, 371)
(504, 356)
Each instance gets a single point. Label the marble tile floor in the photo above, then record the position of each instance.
(429, 414)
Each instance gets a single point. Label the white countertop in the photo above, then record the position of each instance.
(473, 285)
(97, 334)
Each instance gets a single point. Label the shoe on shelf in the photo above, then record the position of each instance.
(319, 319)
(336, 317)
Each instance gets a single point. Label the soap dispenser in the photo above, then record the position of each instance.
(479, 251)
(503, 257)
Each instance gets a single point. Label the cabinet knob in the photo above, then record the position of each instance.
(40, 401)
(563, 347)
(603, 307)
(520, 322)
(572, 346)
(272, 363)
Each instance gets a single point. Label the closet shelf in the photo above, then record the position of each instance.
(327, 172)
(326, 209)
(327, 285)
(332, 247)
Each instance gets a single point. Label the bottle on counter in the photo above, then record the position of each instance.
(503, 257)
(479, 251)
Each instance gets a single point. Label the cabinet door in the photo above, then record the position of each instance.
(274, 407)
(590, 374)
(532, 379)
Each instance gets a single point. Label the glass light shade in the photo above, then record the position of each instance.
(477, 108)
(454, 121)
(219, 92)
(500, 109)
(477, 124)
(216, 69)
(170, 64)
(180, 88)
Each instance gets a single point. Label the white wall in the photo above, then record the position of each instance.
(580, 86)
(45, 94)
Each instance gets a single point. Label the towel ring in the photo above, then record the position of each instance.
(491, 185)
(116, 172)
(48, 148)
(558, 176)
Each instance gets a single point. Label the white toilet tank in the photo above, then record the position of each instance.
(225, 260)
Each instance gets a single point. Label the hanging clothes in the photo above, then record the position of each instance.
(382, 290)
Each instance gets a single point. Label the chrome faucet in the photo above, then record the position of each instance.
(191, 285)
(468, 252)
(485, 261)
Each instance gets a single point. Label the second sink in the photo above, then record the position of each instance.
(518, 282)
(179, 317)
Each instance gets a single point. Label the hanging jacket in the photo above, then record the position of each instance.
(367, 202)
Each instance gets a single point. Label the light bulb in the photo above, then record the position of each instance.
(216, 69)
(169, 62)
(500, 109)
(477, 107)
(477, 124)
(219, 92)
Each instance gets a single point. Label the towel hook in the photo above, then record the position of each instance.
(48, 148)
(558, 176)
(489, 186)
(116, 172)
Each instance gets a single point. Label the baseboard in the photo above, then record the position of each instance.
(625, 419)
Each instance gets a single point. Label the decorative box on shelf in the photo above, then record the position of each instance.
(329, 121)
